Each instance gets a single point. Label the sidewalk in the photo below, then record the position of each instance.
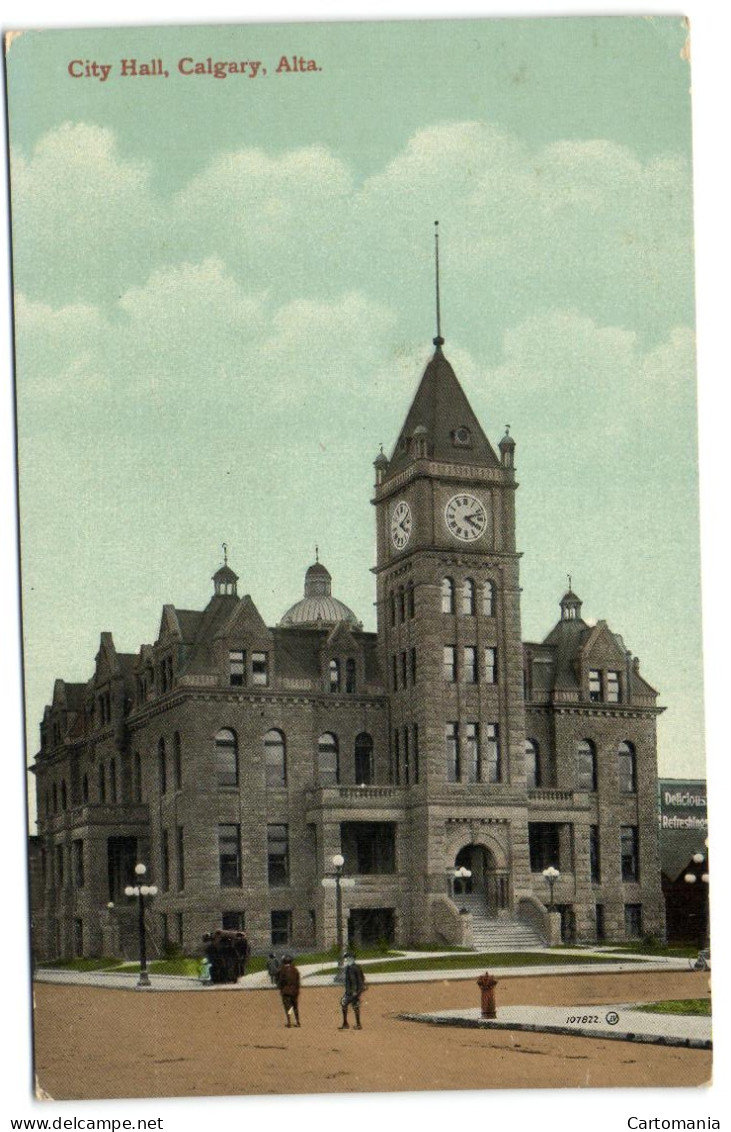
(611, 1022)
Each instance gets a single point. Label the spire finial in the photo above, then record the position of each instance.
(569, 578)
(438, 341)
(317, 554)
(225, 553)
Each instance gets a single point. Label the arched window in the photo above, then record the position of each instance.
(627, 768)
(328, 763)
(227, 758)
(350, 675)
(177, 761)
(85, 788)
(275, 758)
(532, 764)
(162, 768)
(364, 772)
(488, 599)
(447, 595)
(586, 766)
(468, 597)
(334, 675)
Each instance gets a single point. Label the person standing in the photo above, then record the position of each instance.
(272, 968)
(288, 981)
(241, 953)
(354, 987)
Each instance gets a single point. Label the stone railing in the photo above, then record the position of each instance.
(532, 912)
(549, 794)
(449, 925)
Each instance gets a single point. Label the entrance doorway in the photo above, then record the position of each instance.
(371, 926)
(488, 886)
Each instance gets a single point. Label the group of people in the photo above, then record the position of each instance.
(224, 956)
(288, 981)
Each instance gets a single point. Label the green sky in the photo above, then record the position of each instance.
(224, 302)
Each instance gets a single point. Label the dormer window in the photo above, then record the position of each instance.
(334, 675)
(259, 669)
(236, 667)
(462, 437)
(595, 686)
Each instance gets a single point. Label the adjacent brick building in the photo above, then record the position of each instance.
(237, 759)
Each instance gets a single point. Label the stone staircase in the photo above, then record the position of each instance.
(492, 933)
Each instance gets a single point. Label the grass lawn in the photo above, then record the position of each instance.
(696, 1006)
(468, 960)
(639, 948)
(103, 963)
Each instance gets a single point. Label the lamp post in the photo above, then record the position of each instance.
(141, 890)
(700, 859)
(338, 863)
(551, 875)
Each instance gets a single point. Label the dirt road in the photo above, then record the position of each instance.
(93, 1043)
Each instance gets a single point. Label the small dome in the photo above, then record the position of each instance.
(318, 608)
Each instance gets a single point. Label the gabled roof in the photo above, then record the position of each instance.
(441, 407)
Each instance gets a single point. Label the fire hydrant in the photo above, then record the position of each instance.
(487, 985)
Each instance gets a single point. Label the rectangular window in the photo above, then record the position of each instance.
(350, 676)
(368, 847)
(413, 666)
(78, 938)
(177, 761)
(236, 667)
(614, 692)
(407, 758)
(394, 672)
(180, 858)
(281, 928)
(396, 758)
(259, 669)
(233, 921)
(630, 852)
(633, 921)
(59, 866)
(472, 752)
(77, 851)
(165, 853)
(627, 769)
(470, 664)
(227, 760)
(229, 855)
(179, 918)
(404, 670)
(451, 743)
(601, 932)
(491, 665)
(543, 846)
(595, 685)
(492, 754)
(450, 663)
(278, 855)
(594, 866)
(334, 676)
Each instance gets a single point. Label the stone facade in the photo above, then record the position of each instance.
(236, 759)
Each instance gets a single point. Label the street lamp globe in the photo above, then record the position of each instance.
(338, 860)
(140, 870)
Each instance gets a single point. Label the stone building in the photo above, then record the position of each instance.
(447, 760)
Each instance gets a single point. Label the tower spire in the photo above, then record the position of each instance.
(438, 341)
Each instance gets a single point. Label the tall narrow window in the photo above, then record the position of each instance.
(259, 669)
(350, 676)
(77, 857)
(491, 665)
(410, 600)
(165, 856)
(102, 787)
(328, 765)
(629, 842)
(227, 758)
(364, 775)
(278, 855)
(392, 606)
(488, 599)
(64, 793)
(281, 923)
(113, 780)
(586, 766)
(396, 758)
(532, 764)
(177, 761)
(447, 595)
(415, 749)
(492, 754)
(470, 664)
(162, 773)
(236, 667)
(394, 672)
(595, 686)
(471, 747)
(229, 855)
(451, 742)
(275, 758)
(404, 670)
(180, 854)
(84, 790)
(594, 865)
(468, 597)
(137, 777)
(334, 675)
(450, 663)
(402, 604)
(413, 666)
(614, 691)
(407, 758)
(627, 768)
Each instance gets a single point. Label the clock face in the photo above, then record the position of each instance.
(466, 517)
(401, 525)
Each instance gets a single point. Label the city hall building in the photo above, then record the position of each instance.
(446, 759)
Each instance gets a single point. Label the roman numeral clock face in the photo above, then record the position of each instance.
(401, 525)
(466, 517)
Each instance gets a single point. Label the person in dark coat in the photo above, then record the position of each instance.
(354, 987)
(241, 952)
(272, 968)
(288, 981)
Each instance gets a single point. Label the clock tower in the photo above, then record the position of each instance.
(450, 640)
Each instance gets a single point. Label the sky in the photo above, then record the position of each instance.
(91, 576)
(224, 300)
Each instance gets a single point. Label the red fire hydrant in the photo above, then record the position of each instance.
(487, 985)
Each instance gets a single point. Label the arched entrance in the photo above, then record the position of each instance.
(488, 886)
